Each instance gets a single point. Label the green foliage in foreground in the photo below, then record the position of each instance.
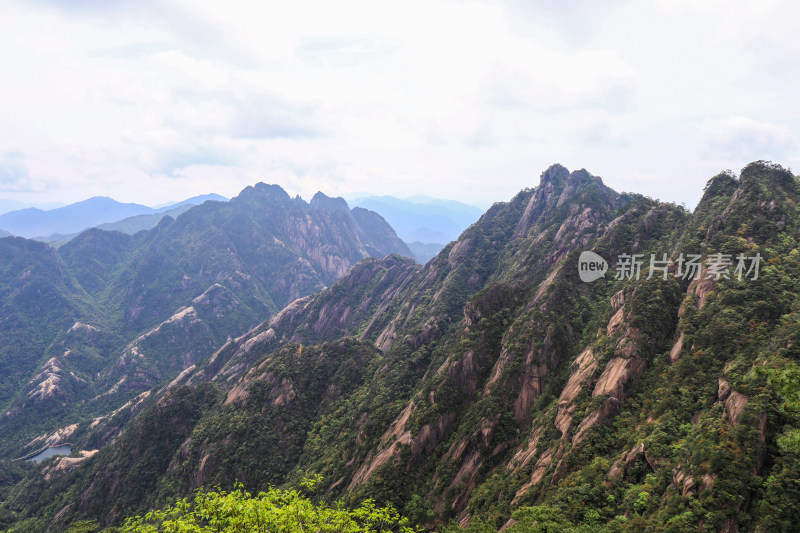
(274, 510)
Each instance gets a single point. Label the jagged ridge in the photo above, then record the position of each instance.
(493, 378)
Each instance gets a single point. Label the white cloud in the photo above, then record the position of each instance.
(740, 138)
(550, 80)
(468, 99)
(14, 175)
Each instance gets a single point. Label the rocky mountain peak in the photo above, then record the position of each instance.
(583, 177)
(757, 206)
(322, 201)
(722, 185)
(558, 187)
(555, 175)
(769, 174)
(264, 191)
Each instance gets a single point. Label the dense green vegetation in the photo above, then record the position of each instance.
(273, 510)
(492, 388)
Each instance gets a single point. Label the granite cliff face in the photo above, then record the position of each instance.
(492, 378)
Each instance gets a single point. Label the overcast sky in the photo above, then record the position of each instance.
(152, 101)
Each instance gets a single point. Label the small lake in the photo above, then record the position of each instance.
(50, 452)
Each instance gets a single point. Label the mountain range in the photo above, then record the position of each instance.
(107, 316)
(495, 386)
(13, 205)
(426, 224)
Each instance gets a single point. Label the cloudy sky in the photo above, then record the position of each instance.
(153, 101)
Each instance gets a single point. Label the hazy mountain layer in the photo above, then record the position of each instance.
(33, 222)
(425, 224)
(64, 223)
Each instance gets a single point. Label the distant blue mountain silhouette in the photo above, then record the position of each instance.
(32, 222)
(421, 218)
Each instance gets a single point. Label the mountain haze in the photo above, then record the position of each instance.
(425, 224)
(63, 223)
(194, 200)
(421, 218)
(33, 222)
(137, 223)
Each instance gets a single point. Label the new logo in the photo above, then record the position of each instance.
(591, 266)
